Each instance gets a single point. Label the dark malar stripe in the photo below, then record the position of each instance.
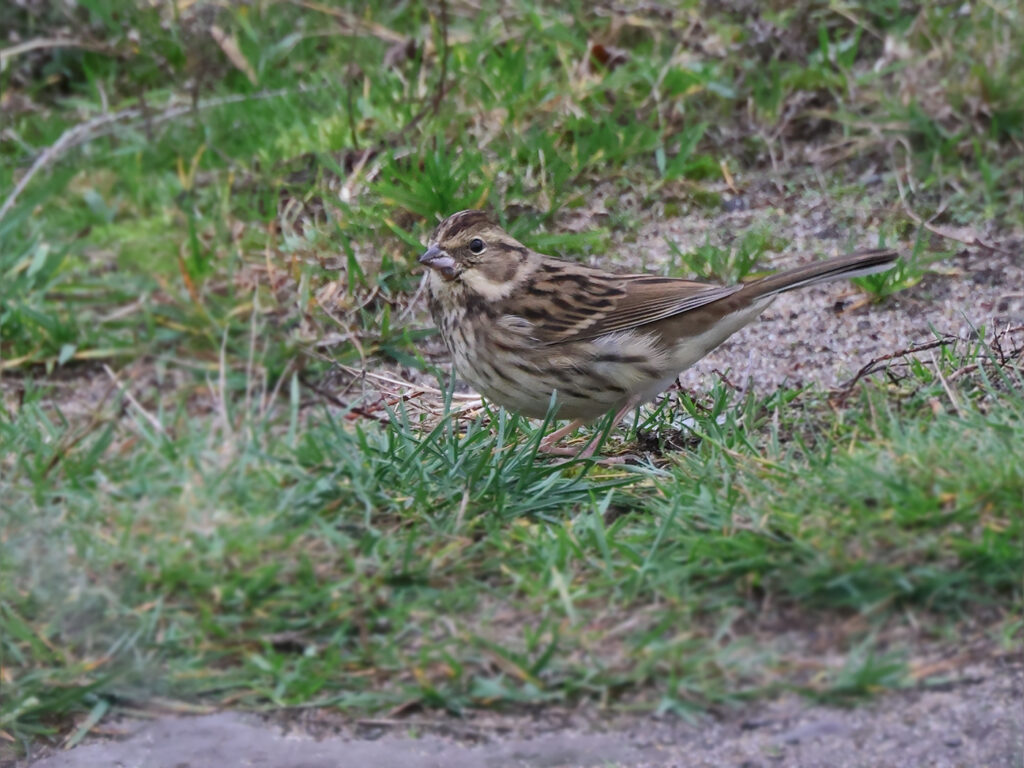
(476, 305)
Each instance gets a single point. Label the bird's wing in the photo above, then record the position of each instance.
(575, 303)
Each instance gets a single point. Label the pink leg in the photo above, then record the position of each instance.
(558, 434)
(547, 445)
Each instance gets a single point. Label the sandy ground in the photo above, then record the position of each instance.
(824, 334)
(976, 721)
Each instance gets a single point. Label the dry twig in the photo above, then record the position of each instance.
(876, 363)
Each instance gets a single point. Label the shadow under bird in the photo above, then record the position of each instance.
(522, 326)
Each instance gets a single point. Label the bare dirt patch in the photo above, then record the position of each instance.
(975, 720)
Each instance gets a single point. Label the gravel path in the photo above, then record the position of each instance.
(974, 722)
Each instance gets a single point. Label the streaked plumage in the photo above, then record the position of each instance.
(521, 325)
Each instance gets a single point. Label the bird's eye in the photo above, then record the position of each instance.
(476, 245)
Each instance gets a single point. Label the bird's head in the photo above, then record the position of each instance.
(469, 247)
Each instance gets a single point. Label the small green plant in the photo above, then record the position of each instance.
(727, 264)
(907, 272)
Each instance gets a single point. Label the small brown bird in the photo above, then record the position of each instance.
(521, 325)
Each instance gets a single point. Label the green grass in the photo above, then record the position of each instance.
(183, 517)
(364, 567)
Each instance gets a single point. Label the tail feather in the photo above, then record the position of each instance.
(853, 265)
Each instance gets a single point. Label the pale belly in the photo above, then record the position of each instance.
(590, 378)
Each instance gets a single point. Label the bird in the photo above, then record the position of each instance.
(532, 332)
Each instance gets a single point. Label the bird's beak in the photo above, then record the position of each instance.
(439, 260)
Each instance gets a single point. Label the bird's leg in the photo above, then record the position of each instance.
(591, 446)
(547, 445)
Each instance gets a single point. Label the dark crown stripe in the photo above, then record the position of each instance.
(459, 222)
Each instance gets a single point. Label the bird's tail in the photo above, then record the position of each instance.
(853, 265)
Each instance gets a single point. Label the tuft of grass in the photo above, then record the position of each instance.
(728, 264)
